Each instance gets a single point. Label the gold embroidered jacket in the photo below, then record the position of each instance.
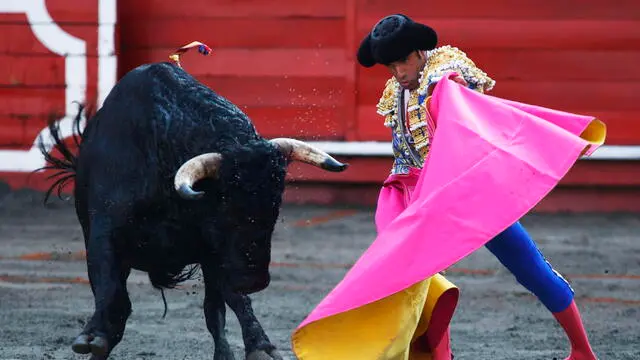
(411, 143)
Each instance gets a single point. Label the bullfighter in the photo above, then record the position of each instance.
(413, 319)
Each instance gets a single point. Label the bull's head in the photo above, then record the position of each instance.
(250, 181)
(207, 165)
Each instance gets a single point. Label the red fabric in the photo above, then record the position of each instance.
(571, 322)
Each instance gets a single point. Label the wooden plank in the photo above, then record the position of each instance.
(269, 62)
(508, 33)
(609, 173)
(301, 122)
(361, 170)
(306, 119)
(278, 91)
(19, 71)
(375, 170)
(350, 93)
(523, 9)
(370, 124)
(562, 199)
(585, 96)
(31, 101)
(11, 132)
(24, 42)
(39, 71)
(74, 11)
(22, 70)
(229, 8)
(17, 18)
(234, 33)
(561, 95)
(558, 65)
(623, 127)
(542, 65)
(331, 194)
(591, 199)
(20, 131)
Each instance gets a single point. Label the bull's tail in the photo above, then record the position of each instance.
(64, 166)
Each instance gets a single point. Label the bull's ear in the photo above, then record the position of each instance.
(296, 150)
(195, 169)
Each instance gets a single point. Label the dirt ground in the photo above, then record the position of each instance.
(45, 299)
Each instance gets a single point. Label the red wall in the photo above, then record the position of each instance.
(285, 65)
(291, 66)
(32, 77)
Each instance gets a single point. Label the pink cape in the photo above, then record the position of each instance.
(491, 161)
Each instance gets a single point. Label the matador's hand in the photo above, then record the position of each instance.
(458, 79)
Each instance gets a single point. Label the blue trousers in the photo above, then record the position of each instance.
(515, 249)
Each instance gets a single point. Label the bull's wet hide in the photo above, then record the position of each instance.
(127, 187)
(249, 284)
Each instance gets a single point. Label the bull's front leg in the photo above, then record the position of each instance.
(256, 343)
(215, 313)
(108, 277)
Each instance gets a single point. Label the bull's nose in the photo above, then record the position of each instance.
(250, 283)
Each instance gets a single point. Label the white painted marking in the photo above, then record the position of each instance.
(383, 149)
(107, 62)
(64, 44)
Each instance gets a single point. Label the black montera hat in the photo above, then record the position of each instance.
(393, 38)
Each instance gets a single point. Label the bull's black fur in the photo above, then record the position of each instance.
(162, 139)
(155, 119)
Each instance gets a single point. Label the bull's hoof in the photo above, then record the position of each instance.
(263, 355)
(99, 347)
(81, 345)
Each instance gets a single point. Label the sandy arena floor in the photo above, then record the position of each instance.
(45, 297)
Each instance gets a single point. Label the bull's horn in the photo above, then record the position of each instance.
(301, 151)
(196, 168)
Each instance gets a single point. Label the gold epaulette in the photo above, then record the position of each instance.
(448, 58)
(439, 61)
(388, 103)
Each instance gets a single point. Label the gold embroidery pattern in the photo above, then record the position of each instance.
(439, 61)
(449, 58)
(418, 124)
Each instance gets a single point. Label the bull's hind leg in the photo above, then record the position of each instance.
(215, 314)
(108, 277)
(256, 342)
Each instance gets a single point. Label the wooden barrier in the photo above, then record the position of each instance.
(291, 66)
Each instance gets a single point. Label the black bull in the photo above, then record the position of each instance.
(170, 176)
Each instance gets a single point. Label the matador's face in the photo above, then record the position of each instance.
(407, 70)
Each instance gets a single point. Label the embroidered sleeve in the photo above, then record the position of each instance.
(448, 58)
(388, 103)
